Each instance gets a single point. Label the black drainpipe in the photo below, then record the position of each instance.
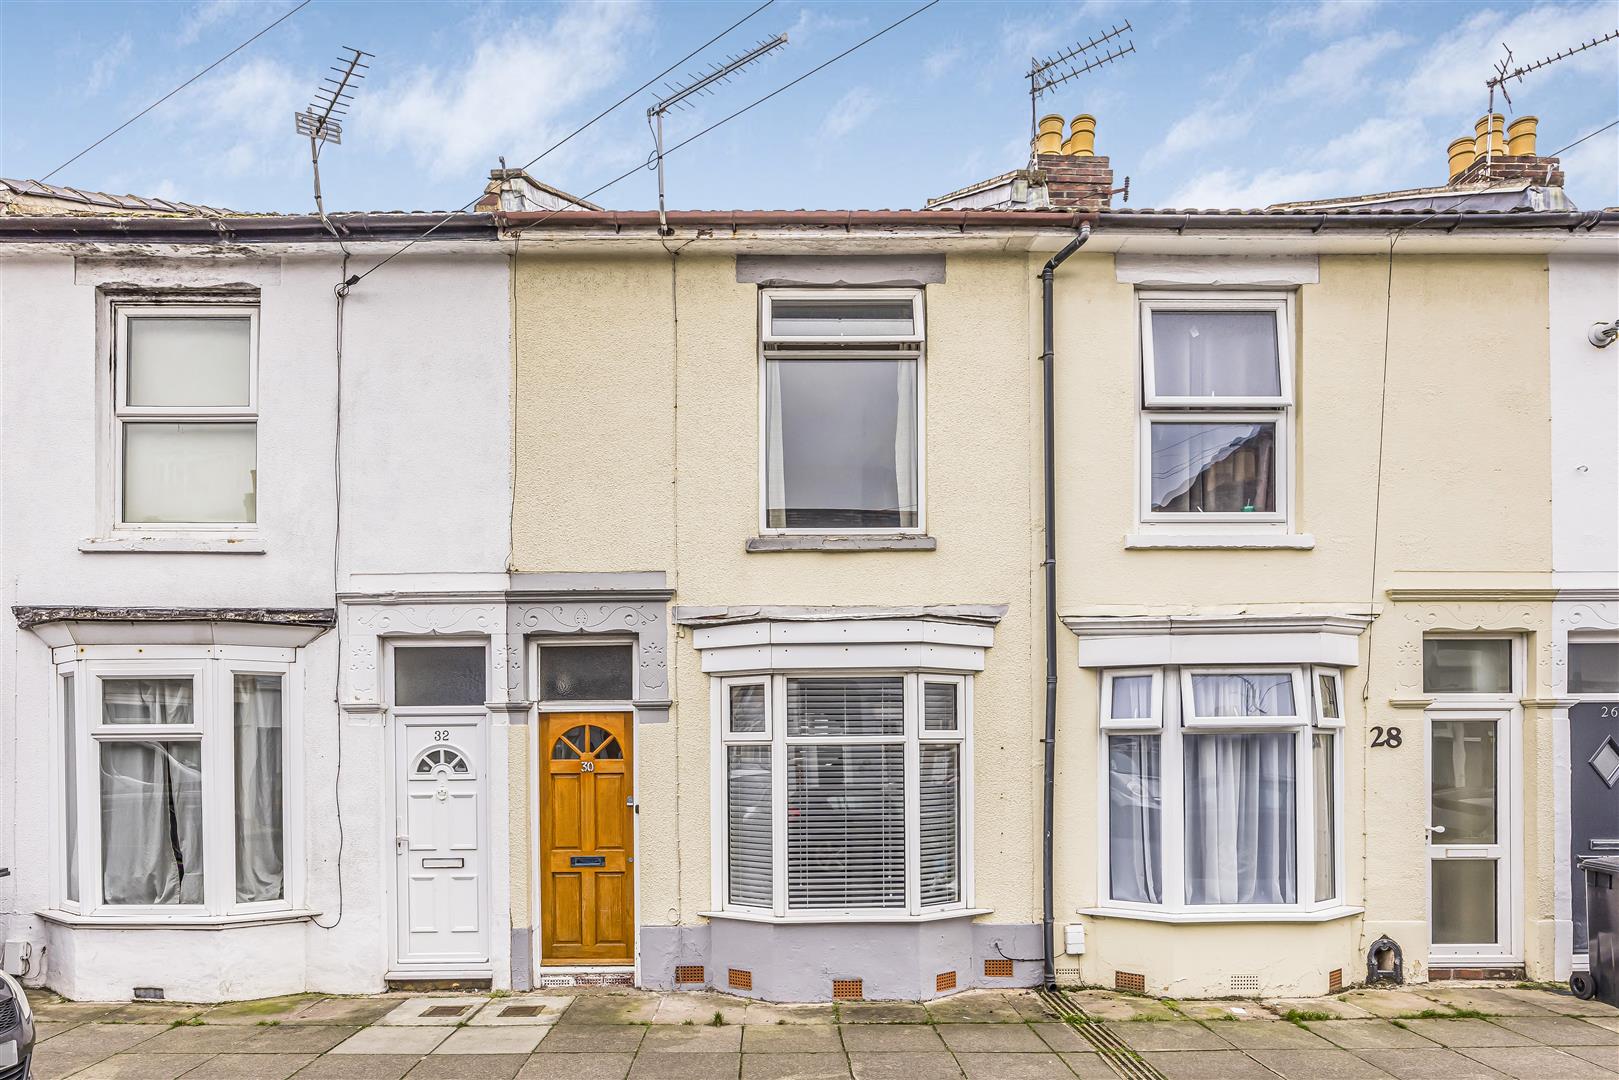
(1047, 298)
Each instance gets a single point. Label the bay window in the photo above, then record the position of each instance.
(174, 781)
(1217, 400)
(843, 794)
(1222, 789)
(842, 381)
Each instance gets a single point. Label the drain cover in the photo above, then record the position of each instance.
(446, 1010)
(522, 1010)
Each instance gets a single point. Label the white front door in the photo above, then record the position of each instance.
(439, 840)
(1471, 898)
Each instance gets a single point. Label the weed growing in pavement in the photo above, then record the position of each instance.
(719, 1019)
(1300, 1016)
(688, 1023)
(190, 1021)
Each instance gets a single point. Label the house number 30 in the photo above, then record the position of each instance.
(587, 766)
(1389, 737)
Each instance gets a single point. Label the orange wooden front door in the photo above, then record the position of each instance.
(587, 846)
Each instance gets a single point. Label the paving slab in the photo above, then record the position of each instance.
(1609, 1021)
(1387, 1002)
(49, 1029)
(297, 1039)
(224, 1039)
(435, 1011)
(71, 1011)
(249, 1066)
(1089, 1066)
(1457, 1033)
(1428, 1064)
(492, 1041)
(700, 1009)
(1334, 1008)
(1170, 1035)
(694, 1039)
(992, 1039)
(104, 1040)
(522, 1010)
(253, 1012)
(1030, 1006)
(1271, 1037)
(142, 1067)
(891, 1038)
(883, 1012)
(469, 1067)
(393, 1040)
(611, 1009)
(1220, 1011)
(593, 1038)
(768, 1012)
(1560, 1030)
(1370, 1035)
(1106, 1005)
(1318, 1065)
(975, 1007)
(585, 1066)
(924, 1065)
(1537, 1063)
(685, 1066)
(358, 1067)
(347, 1010)
(793, 1066)
(1484, 999)
(1561, 1002)
(1207, 1065)
(791, 1039)
(151, 1012)
(49, 1063)
(1014, 1067)
(1606, 1056)
(1062, 1037)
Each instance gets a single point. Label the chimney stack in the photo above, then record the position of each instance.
(1500, 152)
(1074, 177)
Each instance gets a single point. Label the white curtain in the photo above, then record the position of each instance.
(1135, 818)
(905, 449)
(259, 748)
(1240, 818)
(70, 792)
(151, 822)
(1132, 697)
(1264, 694)
(1326, 863)
(776, 477)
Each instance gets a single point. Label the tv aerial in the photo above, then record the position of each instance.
(1071, 63)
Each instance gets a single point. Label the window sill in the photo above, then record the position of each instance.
(1142, 541)
(176, 922)
(843, 542)
(1291, 915)
(873, 917)
(235, 544)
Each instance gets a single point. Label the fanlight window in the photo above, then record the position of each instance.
(442, 757)
(599, 743)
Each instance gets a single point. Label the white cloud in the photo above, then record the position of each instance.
(1205, 126)
(939, 62)
(1340, 69)
(208, 14)
(812, 25)
(1592, 171)
(104, 67)
(1323, 19)
(851, 110)
(517, 93)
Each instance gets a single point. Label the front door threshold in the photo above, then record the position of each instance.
(439, 979)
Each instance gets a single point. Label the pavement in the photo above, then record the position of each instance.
(1456, 1031)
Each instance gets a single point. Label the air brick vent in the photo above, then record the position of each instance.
(688, 974)
(944, 980)
(739, 979)
(848, 989)
(1335, 980)
(997, 969)
(1129, 980)
(1245, 984)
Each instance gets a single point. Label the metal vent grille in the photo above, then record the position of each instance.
(997, 969)
(848, 989)
(687, 974)
(8, 1014)
(1335, 980)
(944, 980)
(738, 979)
(1245, 984)
(1129, 980)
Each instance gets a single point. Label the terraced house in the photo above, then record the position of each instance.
(820, 604)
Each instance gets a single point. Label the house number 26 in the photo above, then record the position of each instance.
(1389, 737)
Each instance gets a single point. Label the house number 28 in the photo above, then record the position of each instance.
(1389, 737)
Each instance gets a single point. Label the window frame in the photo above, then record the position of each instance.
(911, 347)
(1126, 725)
(1586, 637)
(541, 644)
(1279, 409)
(1515, 666)
(912, 738)
(121, 415)
(1175, 906)
(212, 671)
(1318, 704)
(1191, 721)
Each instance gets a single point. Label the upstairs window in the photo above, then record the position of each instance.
(1217, 396)
(842, 405)
(185, 414)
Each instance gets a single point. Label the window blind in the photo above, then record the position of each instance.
(834, 707)
(846, 824)
(939, 707)
(748, 827)
(941, 816)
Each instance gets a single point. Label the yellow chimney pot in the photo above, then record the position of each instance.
(1081, 140)
(1049, 140)
(1488, 138)
(1462, 155)
(1521, 136)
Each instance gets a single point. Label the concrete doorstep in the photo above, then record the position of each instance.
(1453, 1031)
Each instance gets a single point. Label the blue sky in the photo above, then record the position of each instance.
(1223, 104)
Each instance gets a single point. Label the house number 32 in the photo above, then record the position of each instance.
(1389, 737)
